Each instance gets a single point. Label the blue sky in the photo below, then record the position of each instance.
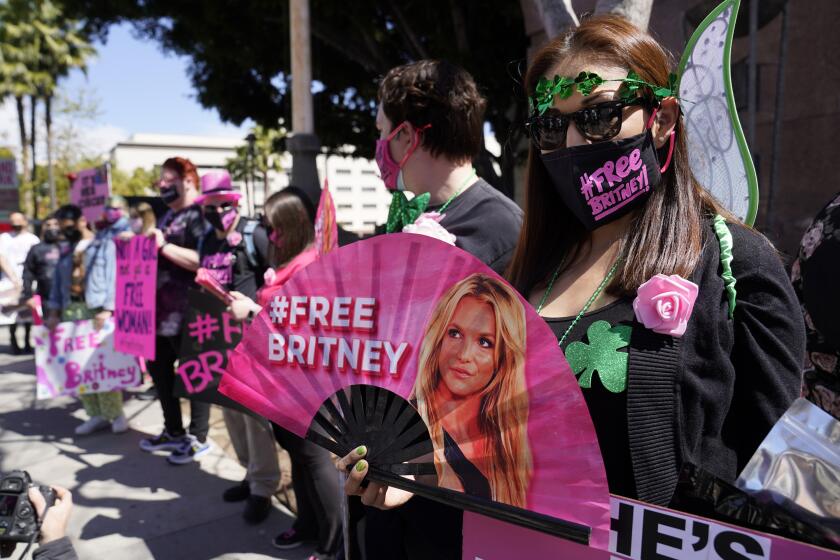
(140, 89)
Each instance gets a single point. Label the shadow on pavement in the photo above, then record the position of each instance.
(177, 511)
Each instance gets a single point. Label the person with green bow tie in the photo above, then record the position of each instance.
(431, 125)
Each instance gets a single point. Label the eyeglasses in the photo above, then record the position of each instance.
(596, 123)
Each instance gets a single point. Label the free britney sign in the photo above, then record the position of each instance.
(75, 359)
(89, 191)
(437, 328)
(135, 301)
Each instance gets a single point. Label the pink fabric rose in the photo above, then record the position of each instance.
(664, 304)
(234, 238)
(269, 276)
(427, 224)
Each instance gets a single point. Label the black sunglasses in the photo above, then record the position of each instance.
(208, 208)
(596, 123)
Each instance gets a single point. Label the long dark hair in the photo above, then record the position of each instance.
(667, 235)
(290, 213)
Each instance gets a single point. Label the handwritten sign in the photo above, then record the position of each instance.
(135, 302)
(638, 531)
(90, 190)
(210, 334)
(75, 359)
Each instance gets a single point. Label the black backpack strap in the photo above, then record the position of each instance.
(250, 247)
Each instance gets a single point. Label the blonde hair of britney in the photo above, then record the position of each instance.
(503, 416)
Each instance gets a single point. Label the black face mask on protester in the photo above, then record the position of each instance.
(17, 228)
(602, 182)
(220, 219)
(169, 193)
(51, 235)
(72, 234)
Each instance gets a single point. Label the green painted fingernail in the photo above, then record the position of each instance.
(361, 465)
(361, 450)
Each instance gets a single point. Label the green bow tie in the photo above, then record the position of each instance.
(404, 211)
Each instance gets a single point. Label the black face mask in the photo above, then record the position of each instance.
(17, 228)
(51, 235)
(169, 194)
(220, 220)
(602, 182)
(72, 234)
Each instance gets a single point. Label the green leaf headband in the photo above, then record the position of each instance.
(586, 82)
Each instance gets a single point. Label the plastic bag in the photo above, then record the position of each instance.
(701, 493)
(797, 466)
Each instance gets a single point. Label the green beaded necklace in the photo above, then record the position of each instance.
(460, 189)
(588, 303)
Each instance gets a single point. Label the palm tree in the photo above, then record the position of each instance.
(62, 46)
(264, 158)
(45, 45)
(15, 78)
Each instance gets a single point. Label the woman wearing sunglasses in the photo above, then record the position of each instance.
(678, 320)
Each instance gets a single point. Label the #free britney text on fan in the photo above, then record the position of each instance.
(347, 314)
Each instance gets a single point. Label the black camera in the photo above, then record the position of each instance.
(18, 521)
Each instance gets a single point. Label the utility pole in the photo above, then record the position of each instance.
(302, 142)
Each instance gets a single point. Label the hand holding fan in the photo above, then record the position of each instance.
(418, 351)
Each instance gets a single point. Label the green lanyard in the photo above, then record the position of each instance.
(588, 303)
(459, 191)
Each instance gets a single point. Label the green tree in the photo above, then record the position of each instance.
(43, 46)
(138, 183)
(17, 79)
(239, 54)
(264, 159)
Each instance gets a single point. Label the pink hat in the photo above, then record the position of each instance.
(217, 183)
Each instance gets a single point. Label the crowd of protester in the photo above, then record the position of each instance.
(734, 373)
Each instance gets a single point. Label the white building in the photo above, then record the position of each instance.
(360, 197)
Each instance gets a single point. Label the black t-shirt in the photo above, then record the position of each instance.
(607, 408)
(182, 228)
(485, 224)
(227, 259)
(40, 267)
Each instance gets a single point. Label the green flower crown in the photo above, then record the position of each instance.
(586, 82)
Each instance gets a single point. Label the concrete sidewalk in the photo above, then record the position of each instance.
(129, 505)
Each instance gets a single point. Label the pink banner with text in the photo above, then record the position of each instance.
(638, 531)
(135, 301)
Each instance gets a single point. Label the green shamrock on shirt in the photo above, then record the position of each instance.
(601, 355)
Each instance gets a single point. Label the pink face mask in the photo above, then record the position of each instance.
(275, 238)
(388, 168)
(228, 217)
(112, 215)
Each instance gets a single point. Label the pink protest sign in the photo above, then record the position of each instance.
(210, 333)
(90, 190)
(75, 359)
(638, 531)
(135, 301)
(326, 226)
(503, 415)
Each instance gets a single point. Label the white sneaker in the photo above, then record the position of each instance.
(120, 424)
(91, 425)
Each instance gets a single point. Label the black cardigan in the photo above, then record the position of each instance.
(710, 397)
